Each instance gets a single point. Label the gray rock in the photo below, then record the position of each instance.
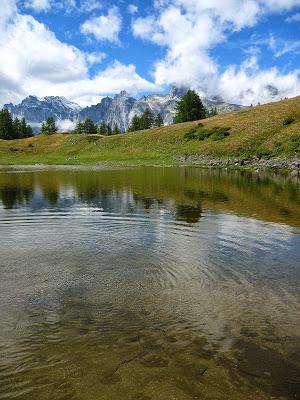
(118, 110)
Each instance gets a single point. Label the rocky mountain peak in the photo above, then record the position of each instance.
(118, 110)
(123, 93)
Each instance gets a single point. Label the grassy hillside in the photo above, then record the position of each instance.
(271, 130)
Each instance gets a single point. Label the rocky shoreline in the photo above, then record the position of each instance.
(280, 163)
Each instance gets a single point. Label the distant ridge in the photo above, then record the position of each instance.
(119, 109)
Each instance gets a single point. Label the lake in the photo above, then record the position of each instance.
(149, 283)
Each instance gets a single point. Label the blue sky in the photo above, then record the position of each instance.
(244, 51)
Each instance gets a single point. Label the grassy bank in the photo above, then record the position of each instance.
(267, 131)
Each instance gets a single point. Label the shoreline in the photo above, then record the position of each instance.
(278, 164)
(275, 165)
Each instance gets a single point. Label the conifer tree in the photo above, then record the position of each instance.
(25, 129)
(79, 128)
(135, 124)
(7, 129)
(109, 131)
(89, 127)
(13, 129)
(116, 130)
(146, 119)
(158, 121)
(102, 128)
(17, 128)
(49, 127)
(189, 108)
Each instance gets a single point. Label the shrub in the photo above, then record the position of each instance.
(263, 153)
(288, 120)
(201, 133)
(295, 144)
(204, 134)
(190, 134)
(220, 133)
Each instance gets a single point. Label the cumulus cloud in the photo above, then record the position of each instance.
(95, 57)
(90, 5)
(37, 63)
(105, 27)
(38, 5)
(189, 29)
(248, 84)
(49, 5)
(132, 9)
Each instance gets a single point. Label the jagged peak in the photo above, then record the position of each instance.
(178, 91)
(123, 93)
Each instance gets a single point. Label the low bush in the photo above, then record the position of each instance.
(201, 133)
(288, 120)
(263, 153)
(191, 134)
(220, 133)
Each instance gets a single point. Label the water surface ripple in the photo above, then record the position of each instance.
(149, 283)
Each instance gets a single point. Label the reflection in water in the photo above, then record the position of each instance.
(11, 196)
(150, 283)
(187, 213)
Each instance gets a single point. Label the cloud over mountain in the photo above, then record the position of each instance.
(189, 29)
(85, 49)
(37, 62)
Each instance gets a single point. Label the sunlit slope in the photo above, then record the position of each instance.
(260, 131)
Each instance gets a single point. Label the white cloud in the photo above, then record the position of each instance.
(247, 84)
(90, 5)
(282, 47)
(111, 80)
(279, 5)
(293, 18)
(95, 57)
(132, 9)
(189, 29)
(38, 5)
(104, 27)
(37, 63)
(8, 11)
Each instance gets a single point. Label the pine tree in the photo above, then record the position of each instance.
(29, 131)
(43, 128)
(17, 129)
(78, 128)
(102, 128)
(25, 129)
(7, 129)
(147, 119)
(116, 130)
(89, 127)
(109, 131)
(135, 124)
(158, 121)
(49, 127)
(189, 108)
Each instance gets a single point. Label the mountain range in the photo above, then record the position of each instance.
(118, 110)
